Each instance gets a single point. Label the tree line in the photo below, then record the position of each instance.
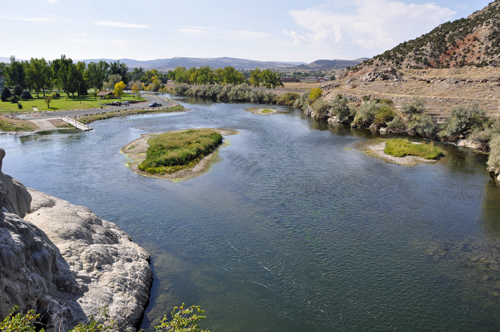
(72, 77)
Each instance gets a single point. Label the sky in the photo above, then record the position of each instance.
(272, 30)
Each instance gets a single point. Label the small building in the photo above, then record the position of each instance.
(102, 94)
(321, 79)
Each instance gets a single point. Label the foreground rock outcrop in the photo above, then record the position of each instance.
(65, 262)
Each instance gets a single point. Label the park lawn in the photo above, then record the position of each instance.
(59, 104)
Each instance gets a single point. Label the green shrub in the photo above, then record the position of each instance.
(366, 114)
(183, 320)
(366, 98)
(397, 125)
(341, 109)
(464, 120)
(384, 115)
(315, 94)
(26, 95)
(19, 106)
(302, 102)
(15, 99)
(288, 98)
(18, 90)
(169, 152)
(6, 94)
(416, 106)
(494, 158)
(401, 148)
(321, 109)
(16, 321)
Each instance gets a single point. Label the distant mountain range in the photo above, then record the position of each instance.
(170, 64)
(329, 64)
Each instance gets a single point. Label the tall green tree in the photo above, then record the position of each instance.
(15, 73)
(119, 68)
(271, 79)
(38, 75)
(255, 77)
(96, 74)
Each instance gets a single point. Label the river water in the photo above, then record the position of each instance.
(293, 228)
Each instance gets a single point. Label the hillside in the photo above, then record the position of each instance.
(471, 41)
(169, 64)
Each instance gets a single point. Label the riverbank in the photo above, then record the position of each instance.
(108, 115)
(136, 151)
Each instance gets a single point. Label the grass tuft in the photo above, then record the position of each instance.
(401, 148)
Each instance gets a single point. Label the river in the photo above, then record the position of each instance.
(293, 228)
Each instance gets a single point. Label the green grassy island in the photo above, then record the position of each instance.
(402, 147)
(170, 152)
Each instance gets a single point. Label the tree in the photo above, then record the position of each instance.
(112, 80)
(271, 79)
(18, 90)
(26, 95)
(118, 91)
(255, 77)
(38, 74)
(47, 100)
(6, 94)
(119, 68)
(96, 74)
(135, 89)
(15, 73)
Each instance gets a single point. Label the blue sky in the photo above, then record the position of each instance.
(278, 30)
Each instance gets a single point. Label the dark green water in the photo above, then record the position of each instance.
(293, 229)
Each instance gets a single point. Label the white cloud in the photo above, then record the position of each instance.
(222, 34)
(122, 25)
(80, 34)
(29, 19)
(373, 25)
(52, 1)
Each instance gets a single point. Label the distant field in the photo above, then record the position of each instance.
(61, 103)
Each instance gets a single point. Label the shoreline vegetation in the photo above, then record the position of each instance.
(377, 148)
(179, 167)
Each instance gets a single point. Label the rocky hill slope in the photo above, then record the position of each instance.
(471, 41)
(63, 261)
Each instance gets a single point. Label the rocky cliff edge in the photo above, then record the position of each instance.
(65, 262)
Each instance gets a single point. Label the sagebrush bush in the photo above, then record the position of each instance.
(397, 125)
(321, 109)
(494, 158)
(384, 115)
(340, 108)
(366, 114)
(288, 99)
(464, 120)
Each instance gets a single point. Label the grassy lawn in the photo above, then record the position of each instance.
(267, 111)
(170, 152)
(402, 147)
(59, 104)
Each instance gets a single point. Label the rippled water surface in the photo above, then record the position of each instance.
(293, 229)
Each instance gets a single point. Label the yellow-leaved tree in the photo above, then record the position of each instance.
(118, 91)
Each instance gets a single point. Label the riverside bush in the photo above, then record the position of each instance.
(464, 120)
(170, 152)
(341, 109)
(494, 158)
(366, 114)
(401, 148)
(287, 99)
(384, 115)
(321, 109)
